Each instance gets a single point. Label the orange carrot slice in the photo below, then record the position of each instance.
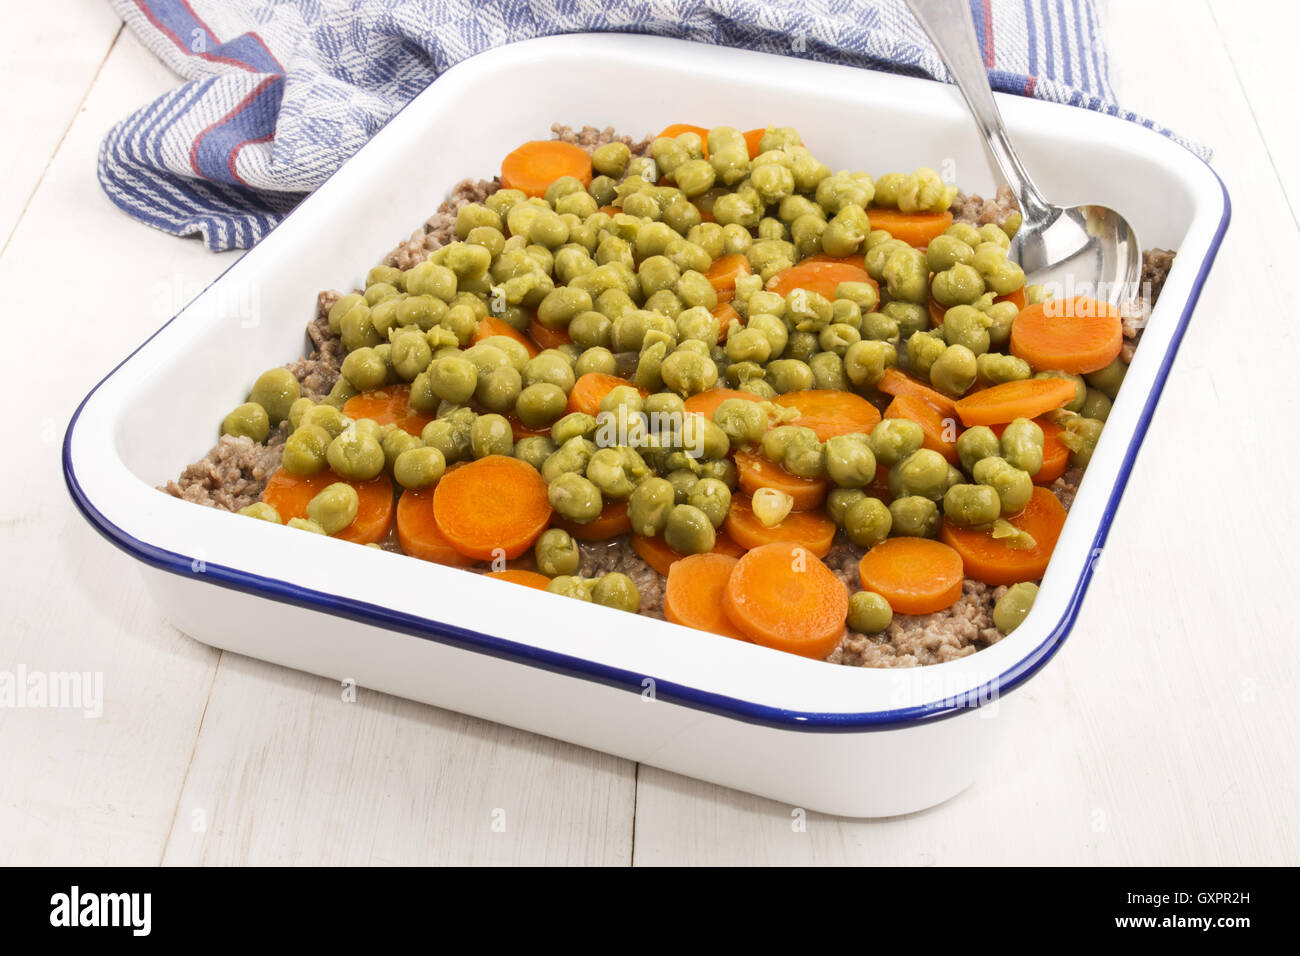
(535, 165)
(894, 382)
(490, 325)
(1028, 398)
(913, 228)
(940, 430)
(725, 313)
(289, 495)
(724, 272)
(811, 529)
(755, 471)
(830, 412)
(529, 579)
(496, 506)
(915, 575)
(547, 338)
(418, 532)
(389, 405)
(753, 138)
(1056, 457)
(656, 553)
(782, 597)
(820, 276)
(610, 523)
(693, 594)
(992, 560)
(1077, 335)
(590, 390)
(706, 403)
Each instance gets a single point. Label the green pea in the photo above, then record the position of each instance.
(689, 530)
(923, 350)
(305, 450)
(712, 497)
(534, 449)
(968, 326)
(946, 251)
(411, 355)
(574, 497)
(615, 473)
(1014, 606)
(453, 379)
(1014, 486)
(865, 362)
(953, 372)
(975, 444)
(1001, 316)
(683, 480)
(906, 275)
(247, 421)
(867, 522)
(596, 360)
(1022, 445)
(261, 511)
(491, 435)
(894, 439)
(789, 375)
(618, 591)
(611, 159)
(1081, 436)
(910, 316)
(1108, 380)
(276, 390)
(1096, 405)
(650, 504)
(570, 586)
(355, 455)
(557, 553)
(570, 458)
(914, 516)
(850, 462)
(924, 473)
(996, 368)
(540, 405)
(972, 505)
(840, 500)
(959, 284)
(419, 467)
(304, 524)
(703, 439)
(744, 422)
(499, 389)
(339, 394)
(573, 425)
(869, 613)
(342, 305)
(334, 507)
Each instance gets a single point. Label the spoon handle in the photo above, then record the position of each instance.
(951, 29)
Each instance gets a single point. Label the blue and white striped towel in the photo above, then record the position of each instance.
(278, 94)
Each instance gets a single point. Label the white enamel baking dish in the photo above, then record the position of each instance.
(833, 739)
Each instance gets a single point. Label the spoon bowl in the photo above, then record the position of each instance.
(1085, 250)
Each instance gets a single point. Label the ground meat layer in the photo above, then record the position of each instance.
(232, 475)
(1156, 264)
(979, 211)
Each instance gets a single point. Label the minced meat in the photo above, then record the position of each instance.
(979, 211)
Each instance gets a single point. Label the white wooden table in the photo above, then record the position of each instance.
(1164, 732)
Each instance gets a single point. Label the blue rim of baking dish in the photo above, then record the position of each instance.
(668, 691)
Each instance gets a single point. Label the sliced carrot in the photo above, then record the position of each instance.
(1077, 335)
(781, 597)
(676, 129)
(1027, 398)
(830, 412)
(548, 338)
(490, 325)
(724, 272)
(289, 495)
(418, 533)
(895, 382)
(937, 313)
(590, 390)
(535, 165)
(753, 138)
(656, 553)
(913, 228)
(1017, 296)
(610, 523)
(754, 471)
(1056, 457)
(389, 405)
(820, 276)
(529, 579)
(707, 402)
(725, 312)
(496, 506)
(879, 487)
(915, 575)
(940, 430)
(812, 529)
(992, 560)
(693, 594)
(610, 210)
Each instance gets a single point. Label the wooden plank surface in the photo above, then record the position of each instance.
(1160, 734)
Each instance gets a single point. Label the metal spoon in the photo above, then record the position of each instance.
(1074, 250)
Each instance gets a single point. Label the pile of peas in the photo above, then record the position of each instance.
(629, 288)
